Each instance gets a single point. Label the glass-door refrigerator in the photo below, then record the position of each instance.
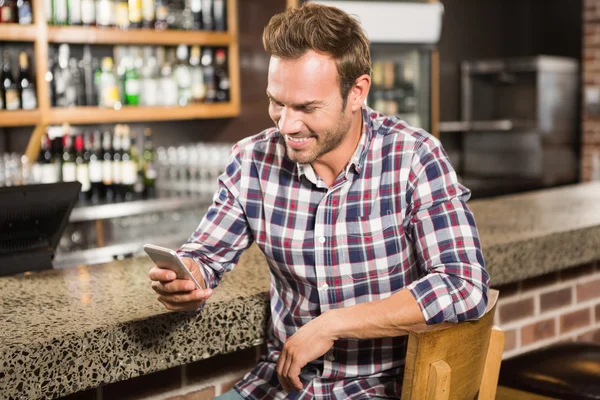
(403, 39)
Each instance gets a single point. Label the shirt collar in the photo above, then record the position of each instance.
(358, 157)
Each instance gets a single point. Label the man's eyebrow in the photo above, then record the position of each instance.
(301, 105)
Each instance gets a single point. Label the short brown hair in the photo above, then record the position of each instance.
(327, 30)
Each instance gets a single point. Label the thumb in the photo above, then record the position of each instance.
(194, 268)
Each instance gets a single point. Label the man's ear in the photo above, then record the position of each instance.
(359, 92)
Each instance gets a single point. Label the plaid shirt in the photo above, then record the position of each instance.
(394, 218)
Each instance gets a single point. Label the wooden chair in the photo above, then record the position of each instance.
(454, 361)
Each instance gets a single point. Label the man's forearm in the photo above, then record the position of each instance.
(376, 319)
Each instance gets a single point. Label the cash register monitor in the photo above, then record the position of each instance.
(32, 219)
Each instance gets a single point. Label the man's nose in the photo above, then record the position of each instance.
(289, 121)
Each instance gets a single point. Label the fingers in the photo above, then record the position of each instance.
(176, 286)
(197, 295)
(179, 294)
(288, 372)
(185, 301)
(294, 377)
(161, 274)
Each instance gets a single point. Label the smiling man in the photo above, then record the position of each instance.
(360, 216)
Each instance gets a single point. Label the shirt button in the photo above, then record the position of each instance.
(322, 239)
(330, 357)
(324, 287)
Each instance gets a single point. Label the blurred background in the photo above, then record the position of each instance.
(140, 100)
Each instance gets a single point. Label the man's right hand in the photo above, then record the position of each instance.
(179, 294)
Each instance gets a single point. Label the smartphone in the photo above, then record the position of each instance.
(168, 259)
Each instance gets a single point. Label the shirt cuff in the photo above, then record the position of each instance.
(207, 273)
(432, 296)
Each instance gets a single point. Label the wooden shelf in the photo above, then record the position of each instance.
(20, 117)
(17, 32)
(96, 115)
(85, 35)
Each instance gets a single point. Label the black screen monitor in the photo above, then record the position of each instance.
(32, 219)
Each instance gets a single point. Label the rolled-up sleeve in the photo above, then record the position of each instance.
(223, 233)
(445, 238)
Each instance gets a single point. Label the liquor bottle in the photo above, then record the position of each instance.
(138, 187)
(105, 13)
(82, 161)
(175, 14)
(27, 85)
(36, 167)
(162, 15)
(196, 8)
(48, 11)
(183, 76)
(2, 95)
(148, 14)
(107, 168)
(69, 171)
(150, 79)
(62, 78)
(129, 166)
(197, 76)
(122, 14)
(8, 11)
(74, 7)
(116, 163)
(57, 154)
(149, 165)
(221, 76)
(168, 86)
(97, 82)
(187, 17)
(25, 15)
(48, 170)
(49, 78)
(60, 10)
(88, 12)
(120, 56)
(220, 15)
(88, 76)
(109, 89)
(135, 13)
(209, 75)
(132, 79)
(76, 88)
(207, 15)
(12, 98)
(95, 167)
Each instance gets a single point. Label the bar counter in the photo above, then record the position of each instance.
(67, 330)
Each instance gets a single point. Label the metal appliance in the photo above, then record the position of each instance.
(101, 233)
(519, 123)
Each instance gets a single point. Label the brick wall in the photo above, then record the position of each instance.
(561, 306)
(591, 88)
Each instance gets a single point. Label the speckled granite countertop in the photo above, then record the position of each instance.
(68, 330)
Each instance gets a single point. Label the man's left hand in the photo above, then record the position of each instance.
(307, 344)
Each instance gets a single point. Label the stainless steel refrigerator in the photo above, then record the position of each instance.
(403, 37)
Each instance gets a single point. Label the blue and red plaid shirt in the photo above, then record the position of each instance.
(395, 217)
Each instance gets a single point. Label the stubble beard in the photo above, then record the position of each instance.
(324, 143)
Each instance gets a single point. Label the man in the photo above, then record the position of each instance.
(360, 216)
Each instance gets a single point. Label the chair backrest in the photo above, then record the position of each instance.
(454, 360)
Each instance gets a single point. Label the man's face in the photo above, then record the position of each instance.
(306, 105)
